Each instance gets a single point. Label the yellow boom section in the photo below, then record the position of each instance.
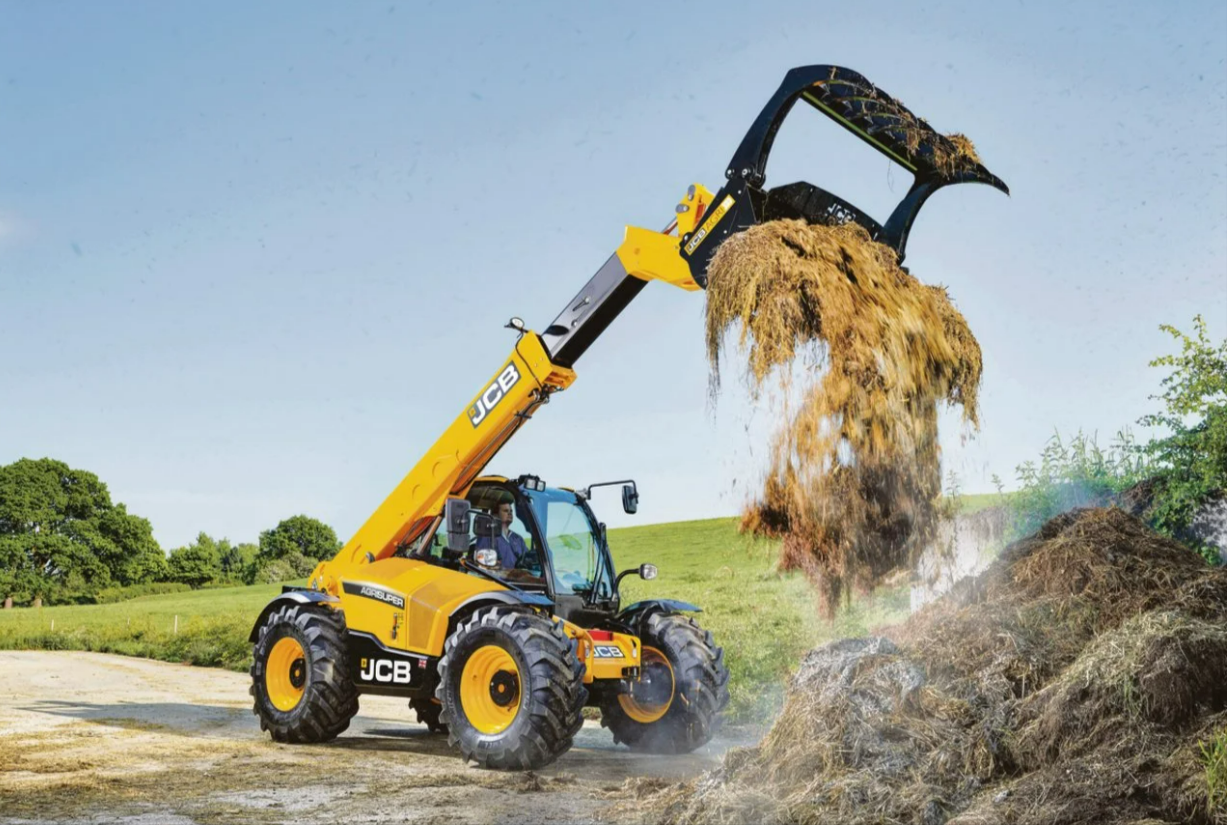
(523, 382)
(505, 402)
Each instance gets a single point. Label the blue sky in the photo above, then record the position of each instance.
(255, 257)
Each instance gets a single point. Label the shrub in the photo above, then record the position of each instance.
(1175, 475)
(300, 564)
(1190, 463)
(1075, 474)
(276, 571)
(219, 641)
(111, 595)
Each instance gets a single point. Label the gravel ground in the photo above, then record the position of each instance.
(94, 738)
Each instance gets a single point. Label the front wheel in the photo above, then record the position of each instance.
(511, 689)
(675, 706)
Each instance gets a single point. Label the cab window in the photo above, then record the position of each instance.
(515, 545)
(572, 539)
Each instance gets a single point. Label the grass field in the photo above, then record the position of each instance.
(764, 620)
(969, 503)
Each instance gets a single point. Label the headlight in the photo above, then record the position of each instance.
(647, 571)
(487, 557)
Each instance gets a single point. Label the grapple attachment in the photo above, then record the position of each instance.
(875, 117)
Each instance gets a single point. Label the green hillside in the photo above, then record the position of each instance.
(765, 621)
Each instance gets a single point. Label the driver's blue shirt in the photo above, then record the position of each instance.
(510, 548)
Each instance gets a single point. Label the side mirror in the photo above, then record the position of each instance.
(486, 526)
(645, 571)
(630, 498)
(456, 514)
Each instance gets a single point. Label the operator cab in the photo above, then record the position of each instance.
(548, 541)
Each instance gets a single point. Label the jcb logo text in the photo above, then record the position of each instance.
(493, 394)
(385, 670)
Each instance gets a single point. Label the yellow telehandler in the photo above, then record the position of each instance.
(492, 603)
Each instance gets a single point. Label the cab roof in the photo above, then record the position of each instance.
(493, 479)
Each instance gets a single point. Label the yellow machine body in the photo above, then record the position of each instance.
(431, 594)
(606, 658)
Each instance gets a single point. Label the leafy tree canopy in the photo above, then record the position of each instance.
(199, 563)
(61, 535)
(299, 534)
(1190, 463)
(238, 561)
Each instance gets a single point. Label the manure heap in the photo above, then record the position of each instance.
(1081, 678)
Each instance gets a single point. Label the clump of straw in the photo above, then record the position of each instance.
(854, 477)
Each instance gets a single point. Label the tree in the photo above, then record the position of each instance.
(197, 564)
(143, 560)
(299, 534)
(62, 537)
(17, 579)
(238, 561)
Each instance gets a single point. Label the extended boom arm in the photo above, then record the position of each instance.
(539, 366)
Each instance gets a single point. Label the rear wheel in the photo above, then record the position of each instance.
(675, 706)
(429, 711)
(511, 689)
(300, 676)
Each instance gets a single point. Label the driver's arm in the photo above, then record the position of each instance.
(519, 547)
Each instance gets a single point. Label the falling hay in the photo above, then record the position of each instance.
(854, 478)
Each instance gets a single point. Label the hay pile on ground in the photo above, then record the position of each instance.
(1074, 681)
(854, 475)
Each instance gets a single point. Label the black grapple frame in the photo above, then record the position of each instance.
(875, 117)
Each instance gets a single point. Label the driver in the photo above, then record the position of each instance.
(509, 544)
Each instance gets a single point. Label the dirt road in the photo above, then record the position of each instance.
(88, 737)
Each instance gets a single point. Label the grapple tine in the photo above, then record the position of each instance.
(935, 160)
(867, 110)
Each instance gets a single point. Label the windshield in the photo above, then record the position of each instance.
(572, 539)
(517, 557)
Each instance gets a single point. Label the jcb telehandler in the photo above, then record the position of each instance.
(492, 603)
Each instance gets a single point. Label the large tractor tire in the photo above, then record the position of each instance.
(511, 686)
(429, 712)
(300, 675)
(675, 707)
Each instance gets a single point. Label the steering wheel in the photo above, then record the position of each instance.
(573, 580)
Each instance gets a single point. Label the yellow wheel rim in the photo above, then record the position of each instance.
(490, 689)
(654, 666)
(285, 673)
